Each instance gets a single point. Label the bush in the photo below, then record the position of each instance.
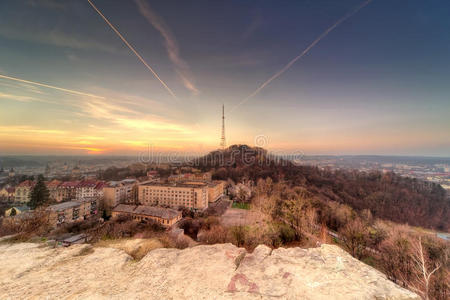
(287, 234)
(26, 225)
(216, 235)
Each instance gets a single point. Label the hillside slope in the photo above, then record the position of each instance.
(387, 195)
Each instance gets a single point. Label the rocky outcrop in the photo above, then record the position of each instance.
(202, 272)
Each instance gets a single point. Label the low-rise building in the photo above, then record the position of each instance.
(16, 210)
(7, 193)
(23, 191)
(165, 216)
(194, 196)
(72, 211)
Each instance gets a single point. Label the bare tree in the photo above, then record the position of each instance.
(424, 269)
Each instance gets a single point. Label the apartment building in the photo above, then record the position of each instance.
(116, 192)
(194, 196)
(8, 193)
(72, 211)
(23, 191)
(86, 189)
(54, 191)
(67, 191)
(215, 188)
(206, 176)
(165, 216)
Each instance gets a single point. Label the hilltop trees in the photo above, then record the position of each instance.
(40, 194)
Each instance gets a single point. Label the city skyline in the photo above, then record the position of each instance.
(375, 84)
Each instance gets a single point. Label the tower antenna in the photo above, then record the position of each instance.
(222, 139)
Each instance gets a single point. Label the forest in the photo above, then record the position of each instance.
(387, 195)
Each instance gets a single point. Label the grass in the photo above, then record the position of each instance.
(137, 248)
(240, 205)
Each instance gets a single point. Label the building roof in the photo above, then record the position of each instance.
(27, 183)
(121, 182)
(64, 205)
(87, 183)
(176, 184)
(100, 185)
(52, 184)
(21, 208)
(10, 190)
(153, 211)
(70, 184)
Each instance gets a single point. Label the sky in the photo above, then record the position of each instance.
(378, 83)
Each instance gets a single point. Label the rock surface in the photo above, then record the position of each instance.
(35, 271)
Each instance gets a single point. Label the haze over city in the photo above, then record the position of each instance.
(376, 83)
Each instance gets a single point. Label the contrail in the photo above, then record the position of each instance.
(285, 68)
(50, 86)
(132, 49)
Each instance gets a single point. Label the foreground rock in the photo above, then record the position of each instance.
(202, 272)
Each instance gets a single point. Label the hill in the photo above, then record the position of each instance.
(387, 195)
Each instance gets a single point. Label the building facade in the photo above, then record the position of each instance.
(117, 192)
(23, 191)
(54, 191)
(194, 196)
(72, 211)
(164, 216)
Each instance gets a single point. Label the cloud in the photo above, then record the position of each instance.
(16, 97)
(254, 25)
(173, 50)
(54, 37)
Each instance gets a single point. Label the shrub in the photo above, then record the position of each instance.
(216, 235)
(287, 234)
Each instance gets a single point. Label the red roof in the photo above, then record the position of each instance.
(100, 185)
(10, 190)
(53, 183)
(70, 184)
(27, 183)
(87, 183)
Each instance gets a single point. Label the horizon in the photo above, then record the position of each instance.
(353, 78)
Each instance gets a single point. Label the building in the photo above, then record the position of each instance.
(86, 189)
(23, 191)
(194, 196)
(206, 176)
(98, 190)
(18, 210)
(117, 192)
(72, 211)
(67, 191)
(65, 212)
(76, 172)
(7, 193)
(215, 190)
(165, 216)
(11, 173)
(54, 191)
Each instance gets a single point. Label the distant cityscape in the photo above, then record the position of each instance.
(433, 169)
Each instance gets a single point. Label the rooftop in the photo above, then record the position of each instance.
(176, 184)
(163, 213)
(64, 205)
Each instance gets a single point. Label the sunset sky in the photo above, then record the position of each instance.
(379, 83)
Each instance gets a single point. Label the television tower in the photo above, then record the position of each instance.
(222, 139)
